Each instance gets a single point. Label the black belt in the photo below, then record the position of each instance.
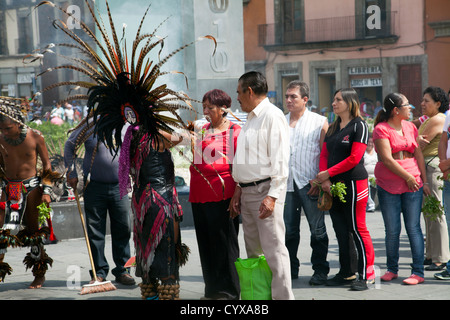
(254, 183)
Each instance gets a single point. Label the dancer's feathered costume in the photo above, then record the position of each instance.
(16, 195)
(122, 92)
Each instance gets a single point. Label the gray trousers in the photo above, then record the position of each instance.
(267, 237)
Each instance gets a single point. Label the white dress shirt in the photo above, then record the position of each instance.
(262, 149)
(446, 131)
(305, 149)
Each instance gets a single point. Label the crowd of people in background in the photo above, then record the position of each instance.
(368, 110)
(69, 112)
(395, 161)
(391, 166)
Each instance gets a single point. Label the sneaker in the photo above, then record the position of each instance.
(444, 275)
(388, 276)
(413, 279)
(339, 280)
(359, 285)
(317, 279)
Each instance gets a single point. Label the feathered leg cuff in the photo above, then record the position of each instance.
(37, 260)
(5, 269)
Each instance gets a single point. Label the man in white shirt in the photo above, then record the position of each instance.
(260, 167)
(69, 113)
(444, 165)
(307, 133)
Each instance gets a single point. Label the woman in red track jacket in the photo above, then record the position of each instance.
(342, 160)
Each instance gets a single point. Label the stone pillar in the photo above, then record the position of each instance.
(222, 19)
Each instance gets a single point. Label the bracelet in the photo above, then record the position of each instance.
(410, 179)
(425, 183)
(46, 189)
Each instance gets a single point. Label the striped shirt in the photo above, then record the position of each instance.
(305, 149)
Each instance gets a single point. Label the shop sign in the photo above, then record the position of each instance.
(364, 70)
(363, 83)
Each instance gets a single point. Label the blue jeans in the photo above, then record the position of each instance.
(295, 201)
(410, 204)
(99, 200)
(446, 202)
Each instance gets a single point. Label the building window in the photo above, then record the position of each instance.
(25, 33)
(293, 21)
(3, 35)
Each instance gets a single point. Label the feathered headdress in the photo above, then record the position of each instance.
(14, 109)
(121, 88)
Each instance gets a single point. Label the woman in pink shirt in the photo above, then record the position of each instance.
(401, 183)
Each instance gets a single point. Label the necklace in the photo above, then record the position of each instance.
(19, 140)
(397, 129)
(219, 127)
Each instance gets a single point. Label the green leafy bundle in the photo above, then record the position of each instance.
(44, 213)
(338, 189)
(432, 208)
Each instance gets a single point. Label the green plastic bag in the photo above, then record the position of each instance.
(255, 278)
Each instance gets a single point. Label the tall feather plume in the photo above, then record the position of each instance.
(121, 88)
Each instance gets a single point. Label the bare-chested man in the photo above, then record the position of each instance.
(22, 191)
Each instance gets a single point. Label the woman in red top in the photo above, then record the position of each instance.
(211, 189)
(342, 160)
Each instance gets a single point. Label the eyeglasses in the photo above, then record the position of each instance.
(405, 105)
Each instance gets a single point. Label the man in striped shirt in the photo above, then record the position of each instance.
(307, 133)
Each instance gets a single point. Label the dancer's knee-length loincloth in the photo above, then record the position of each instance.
(16, 192)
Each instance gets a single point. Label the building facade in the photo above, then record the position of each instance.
(182, 22)
(19, 36)
(374, 46)
(437, 40)
(25, 30)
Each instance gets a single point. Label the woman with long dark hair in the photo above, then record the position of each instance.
(401, 182)
(342, 160)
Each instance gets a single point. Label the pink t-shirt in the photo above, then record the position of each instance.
(386, 179)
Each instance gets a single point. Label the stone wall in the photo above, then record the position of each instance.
(67, 222)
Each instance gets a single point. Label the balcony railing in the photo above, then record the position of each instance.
(330, 29)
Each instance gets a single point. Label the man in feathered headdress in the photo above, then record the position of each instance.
(122, 90)
(24, 188)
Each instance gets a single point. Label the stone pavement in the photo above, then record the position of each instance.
(71, 265)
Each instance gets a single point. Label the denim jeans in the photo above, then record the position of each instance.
(410, 204)
(446, 202)
(99, 200)
(295, 201)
